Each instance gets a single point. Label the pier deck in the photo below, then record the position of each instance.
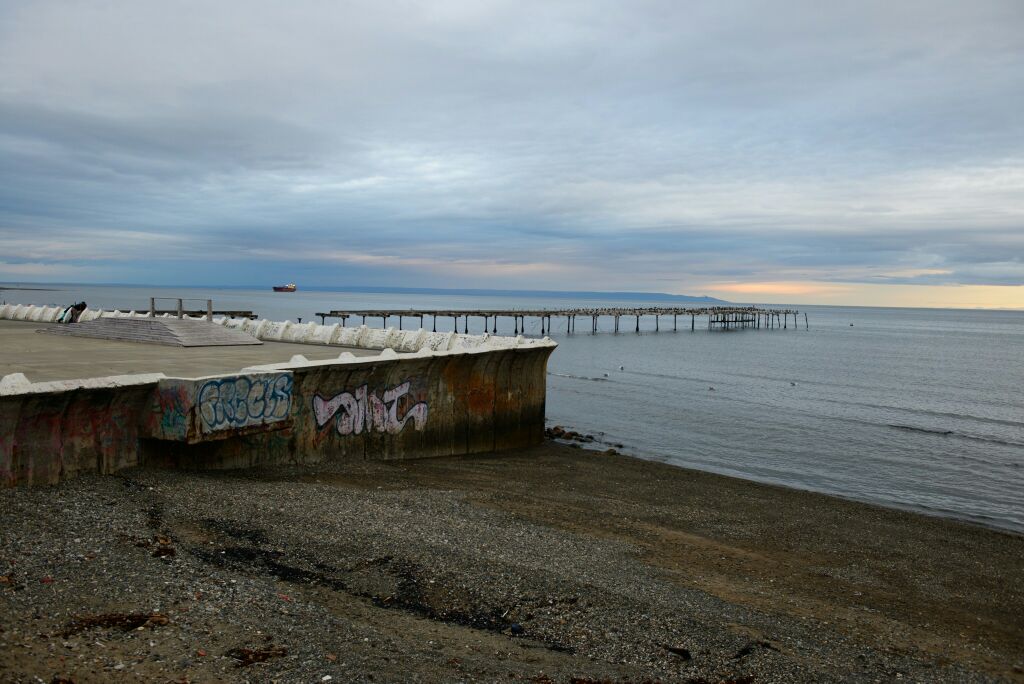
(60, 357)
(717, 317)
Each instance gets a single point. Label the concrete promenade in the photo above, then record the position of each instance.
(51, 357)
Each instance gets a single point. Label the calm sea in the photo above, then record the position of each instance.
(914, 408)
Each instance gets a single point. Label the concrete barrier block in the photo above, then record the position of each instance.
(434, 341)
(413, 340)
(15, 383)
(399, 339)
(292, 332)
(296, 333)
(358, 336)
(393, 338)
(468, 342)
(322, 334)
(272, 331)
(348, 337)
(337, 334)
(374, 338)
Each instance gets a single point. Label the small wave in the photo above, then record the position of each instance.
(578, 377)
(961, 435)
(921, 429)
(990, 440)
(927, 412)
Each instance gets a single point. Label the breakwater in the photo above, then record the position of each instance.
(424, 394)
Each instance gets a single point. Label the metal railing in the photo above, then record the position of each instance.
(181, 308)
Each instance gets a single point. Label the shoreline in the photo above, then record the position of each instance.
(604, 448)
(540, 564)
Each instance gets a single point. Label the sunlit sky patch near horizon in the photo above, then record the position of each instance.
(805, 152)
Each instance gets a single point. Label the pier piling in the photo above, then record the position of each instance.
(718, 317)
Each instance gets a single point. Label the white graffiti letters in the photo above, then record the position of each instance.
(362, 410)
(244, 400)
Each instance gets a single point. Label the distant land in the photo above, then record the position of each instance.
(563, 294)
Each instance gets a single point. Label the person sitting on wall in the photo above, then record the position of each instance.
(72, 313)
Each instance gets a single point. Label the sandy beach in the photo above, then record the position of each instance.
(552, 564)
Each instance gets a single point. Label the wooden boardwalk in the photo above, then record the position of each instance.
(717, 317)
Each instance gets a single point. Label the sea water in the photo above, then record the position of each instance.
(913, 408)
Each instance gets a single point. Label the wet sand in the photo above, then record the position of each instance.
(539, 565)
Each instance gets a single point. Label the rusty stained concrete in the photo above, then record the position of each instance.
(477, 397)
(51, 357)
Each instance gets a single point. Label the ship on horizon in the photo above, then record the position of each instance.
(290, 287)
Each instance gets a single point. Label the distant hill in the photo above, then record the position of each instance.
(553, 294)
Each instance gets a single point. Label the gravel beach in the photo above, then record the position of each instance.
(552, 564)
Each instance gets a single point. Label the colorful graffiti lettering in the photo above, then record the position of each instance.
(361, 410)
(244, 400)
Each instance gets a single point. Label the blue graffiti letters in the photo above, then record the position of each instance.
(244, 400)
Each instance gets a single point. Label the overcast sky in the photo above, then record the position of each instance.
(867, 152)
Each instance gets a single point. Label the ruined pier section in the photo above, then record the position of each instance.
(424, 394)
(618, 318)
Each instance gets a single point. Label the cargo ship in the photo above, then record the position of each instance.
(290, 287)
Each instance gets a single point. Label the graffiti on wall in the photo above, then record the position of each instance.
(354, 412)
(243, 401)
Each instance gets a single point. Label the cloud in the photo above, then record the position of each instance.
(591, 145)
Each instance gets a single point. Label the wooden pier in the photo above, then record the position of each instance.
(180, 311)
(717, 317)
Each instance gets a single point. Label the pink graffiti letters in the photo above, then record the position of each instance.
(361, 410)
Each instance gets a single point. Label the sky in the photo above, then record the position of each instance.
(801, 152)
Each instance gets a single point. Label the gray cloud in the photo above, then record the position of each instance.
(647, 145)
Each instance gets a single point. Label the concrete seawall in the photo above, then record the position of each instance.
(426, 394)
